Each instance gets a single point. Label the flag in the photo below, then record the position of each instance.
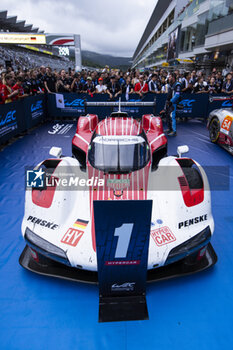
(81, 223)
(60, 101)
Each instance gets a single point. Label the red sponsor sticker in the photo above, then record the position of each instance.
(129, 262)
(226, 124)
(72, 237)
(162, 235)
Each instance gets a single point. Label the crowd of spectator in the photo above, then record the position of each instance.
(28, 59)
(21, 83)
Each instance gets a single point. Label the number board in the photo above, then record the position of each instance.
(122, 230)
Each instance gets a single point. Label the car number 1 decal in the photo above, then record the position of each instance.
(124, 234)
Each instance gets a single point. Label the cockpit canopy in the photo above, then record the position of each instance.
(119, 154)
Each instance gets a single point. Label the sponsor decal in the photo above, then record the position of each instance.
(41, 222)
(193, 221)
(227, 104)
(8, 118)
(37, 109)
(81, 224)
(226, 124)
(125, 287)
(118, 183)
(162, 236)
(72, 237)
(35, 178)
(60, 129)
(129, 262)
(78, 102)
(8, 123)
(118, 193)
(187, 103)
(188, 106)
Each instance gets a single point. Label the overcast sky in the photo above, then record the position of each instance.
(106, 26)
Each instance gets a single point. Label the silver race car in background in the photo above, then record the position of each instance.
(220, 124)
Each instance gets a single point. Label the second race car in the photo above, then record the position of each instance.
(220, 125)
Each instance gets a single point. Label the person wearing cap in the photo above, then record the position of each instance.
(89, 87)
(113, 88)
(100, 88)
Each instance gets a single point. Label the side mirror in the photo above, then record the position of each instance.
(182, 149)
(56, 152)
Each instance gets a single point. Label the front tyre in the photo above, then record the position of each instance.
(214, 129)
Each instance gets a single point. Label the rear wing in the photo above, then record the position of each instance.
(119, 104)
(221, 98)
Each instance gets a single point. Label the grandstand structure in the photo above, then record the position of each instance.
(27, 56)
(197, 32)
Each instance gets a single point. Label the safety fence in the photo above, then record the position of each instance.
(17, 117)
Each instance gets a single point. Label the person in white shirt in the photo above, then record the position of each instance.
(153, 84)
(100, 88)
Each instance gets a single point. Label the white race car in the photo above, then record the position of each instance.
(128, 158)
(220, 125)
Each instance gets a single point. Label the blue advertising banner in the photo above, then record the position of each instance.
(19, 116)
(34, 107)
(11, 120)
(16, 117)
(194, 105)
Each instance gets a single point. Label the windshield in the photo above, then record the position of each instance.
(118, 154)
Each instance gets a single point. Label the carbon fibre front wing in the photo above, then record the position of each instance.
(52, 268)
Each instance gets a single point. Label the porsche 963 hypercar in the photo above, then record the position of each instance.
(118, 158)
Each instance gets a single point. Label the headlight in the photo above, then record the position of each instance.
(45, 247)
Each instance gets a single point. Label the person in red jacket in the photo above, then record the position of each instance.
(8, 94)
(18, 87)
(141, 87)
